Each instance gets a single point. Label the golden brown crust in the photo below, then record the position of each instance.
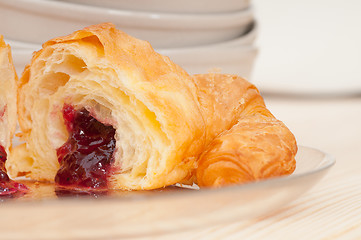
(254, 145)
(224, 98)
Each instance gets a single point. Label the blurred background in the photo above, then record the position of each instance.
(309, 47)
(285, 47)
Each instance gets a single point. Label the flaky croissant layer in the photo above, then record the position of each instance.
(169, 127)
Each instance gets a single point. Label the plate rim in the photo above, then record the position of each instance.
(325, 164)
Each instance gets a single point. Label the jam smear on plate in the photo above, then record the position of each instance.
(8, 187)
(86, 157)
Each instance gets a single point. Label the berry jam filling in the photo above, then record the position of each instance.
(86, 158)
(8, 186)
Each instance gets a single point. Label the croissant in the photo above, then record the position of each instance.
(8, 79)
(101, 109)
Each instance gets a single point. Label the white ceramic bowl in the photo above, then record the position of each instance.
(246, 39)
(175, 6)
(235, 56)
(37, 21)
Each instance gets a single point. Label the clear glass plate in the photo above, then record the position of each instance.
(49, 213)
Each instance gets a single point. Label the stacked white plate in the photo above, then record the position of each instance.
(200, 36)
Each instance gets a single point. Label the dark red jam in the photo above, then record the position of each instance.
(86, 158)
(8, 186)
